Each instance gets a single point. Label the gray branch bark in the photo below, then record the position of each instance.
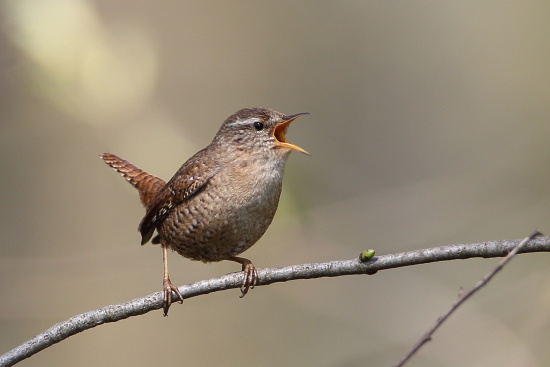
(140, 306)
(465, 296)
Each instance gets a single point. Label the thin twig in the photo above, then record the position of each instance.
(154, 301)
(464, 296)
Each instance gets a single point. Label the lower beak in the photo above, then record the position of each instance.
(280, 131)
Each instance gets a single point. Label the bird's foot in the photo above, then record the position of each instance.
(250, 277)
(250, 274)
(168, 289)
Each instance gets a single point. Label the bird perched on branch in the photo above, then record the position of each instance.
(222, 200)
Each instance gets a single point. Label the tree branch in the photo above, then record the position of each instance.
(140, 306)
(465, 296)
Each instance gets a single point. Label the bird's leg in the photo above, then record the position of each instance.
(250, 274)
(167, 284)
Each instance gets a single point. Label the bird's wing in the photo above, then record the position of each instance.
(190, 178)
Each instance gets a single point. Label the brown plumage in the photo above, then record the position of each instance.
(146, 184)
(222, 200)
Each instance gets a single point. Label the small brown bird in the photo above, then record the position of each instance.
(221, 201)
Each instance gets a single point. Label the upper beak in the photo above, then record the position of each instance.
(280, 131)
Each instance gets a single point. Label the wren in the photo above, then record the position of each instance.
(222, 200)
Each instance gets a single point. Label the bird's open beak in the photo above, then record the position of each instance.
(280, 131)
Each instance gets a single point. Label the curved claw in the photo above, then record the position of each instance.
(250, 274)
(168, 289)
(250, 278)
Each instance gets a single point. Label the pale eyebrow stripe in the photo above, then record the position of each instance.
(239, 122)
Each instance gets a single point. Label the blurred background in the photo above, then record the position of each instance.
(429, 126)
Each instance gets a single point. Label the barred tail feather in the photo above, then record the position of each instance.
(147, 185)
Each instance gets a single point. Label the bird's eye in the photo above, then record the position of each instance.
(258, 125)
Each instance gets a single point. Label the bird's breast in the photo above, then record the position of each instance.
(228, 215)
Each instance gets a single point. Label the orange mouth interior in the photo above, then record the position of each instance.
(279, 133)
